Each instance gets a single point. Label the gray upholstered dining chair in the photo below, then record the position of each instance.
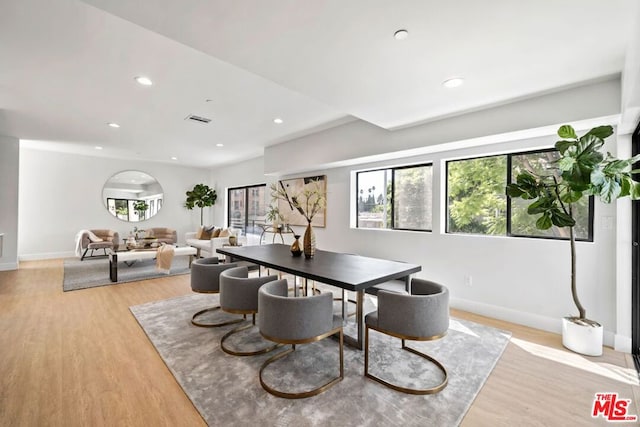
(239, 295)
(205, 278)
(296, 320)
(421, 316)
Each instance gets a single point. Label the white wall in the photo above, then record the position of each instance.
(61, 194)
(624, 259)
(359, 141)
(631, 78)
(9, 161)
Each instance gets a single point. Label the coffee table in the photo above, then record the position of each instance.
(139, 254)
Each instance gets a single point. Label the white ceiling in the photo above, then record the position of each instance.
(67, 67)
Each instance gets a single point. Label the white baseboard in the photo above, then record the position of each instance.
(46, 255)
(7, 266)
(531, 320)
(622, 343)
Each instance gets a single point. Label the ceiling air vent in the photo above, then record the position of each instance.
(198, 119)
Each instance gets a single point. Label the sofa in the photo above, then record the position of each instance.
(207, 245)
(163, 234)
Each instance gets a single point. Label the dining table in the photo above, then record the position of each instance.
(347, 271)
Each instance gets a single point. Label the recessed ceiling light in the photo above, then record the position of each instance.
(174, 158)
(453, 82)
(401, 34)
(219, 145)
(113, 125)
(278, 121)
(97, 147)
(144, 81)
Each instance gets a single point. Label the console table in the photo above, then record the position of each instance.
(277, 231)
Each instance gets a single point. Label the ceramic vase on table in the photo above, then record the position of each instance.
(295, 246)
(309, 242)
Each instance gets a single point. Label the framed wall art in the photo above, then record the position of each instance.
(304, 197)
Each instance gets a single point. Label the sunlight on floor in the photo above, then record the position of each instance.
(617, 373)
(457, 326)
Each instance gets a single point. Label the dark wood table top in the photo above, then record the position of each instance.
(347, 271)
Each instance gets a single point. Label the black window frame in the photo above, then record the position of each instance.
(392, 196)
(246, 189)
(508, 208)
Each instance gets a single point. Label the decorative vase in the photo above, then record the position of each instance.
(295, 246)
(233, 240)
(309, 242)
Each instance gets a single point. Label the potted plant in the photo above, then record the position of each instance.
(274, 215)
(141, 207)
(201, 196)
(581, 170)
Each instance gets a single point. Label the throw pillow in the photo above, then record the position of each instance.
(216, 233)
(224, 233)
(204, 233)
(199, 233)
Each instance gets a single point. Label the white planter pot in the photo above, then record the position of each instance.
(583, 339)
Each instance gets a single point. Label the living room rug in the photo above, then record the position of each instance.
(226, 391)
(91, 273)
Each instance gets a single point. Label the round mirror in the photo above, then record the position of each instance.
(132, 196)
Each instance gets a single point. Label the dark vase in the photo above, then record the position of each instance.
(295, 246)
(309, 241)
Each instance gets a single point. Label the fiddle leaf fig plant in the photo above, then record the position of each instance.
(581, 170)
(201, 196)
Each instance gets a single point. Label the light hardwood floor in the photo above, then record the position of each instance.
(80, 359)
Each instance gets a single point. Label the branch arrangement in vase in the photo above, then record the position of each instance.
(308, 201)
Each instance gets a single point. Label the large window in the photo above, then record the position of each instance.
(247, 208)
(395, 198)
(477, 203)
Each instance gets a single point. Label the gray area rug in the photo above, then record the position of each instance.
(226, 391)
(91, 273)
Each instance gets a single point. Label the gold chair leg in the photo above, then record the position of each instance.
(303, 394)
(431, 390)
(212, 325)
(243, 353)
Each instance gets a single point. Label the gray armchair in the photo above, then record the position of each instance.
(205, 278)
(296, 320)
(239, 295)
(421, 316)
